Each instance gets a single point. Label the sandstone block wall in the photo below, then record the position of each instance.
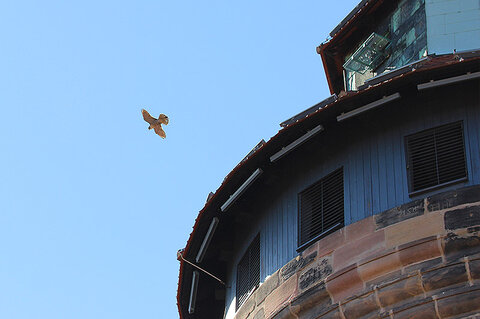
(419, 260)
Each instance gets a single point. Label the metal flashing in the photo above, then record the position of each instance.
(207, 239)
(295, 143)
(258, 146)
(369, 106)
(241, 189)
(391, 74)
(468, 54)
(193, 292)
(447, 81)
(310, 110)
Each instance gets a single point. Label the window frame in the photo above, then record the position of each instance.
(253, 250)
(302, 245)
(410, 177)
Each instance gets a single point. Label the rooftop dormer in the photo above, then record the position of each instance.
(376, 37)
(380, 36)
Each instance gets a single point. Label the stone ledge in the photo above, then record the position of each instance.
(459, 302)
(470, 194)
(246, 308)
(362, 306)
(380, 266)
(424, 309)
(355, 251)
(445, 277)
(462, 218)
(420, 250)
(403, 290)
(399, 214)
(343, 285)
(270, 284)
(409, 231)
(314, 302)
(456, 247)
(281, 296)
(415, 265)
(293, 266)
(315, 272)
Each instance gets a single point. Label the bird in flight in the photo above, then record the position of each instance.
(156, 124)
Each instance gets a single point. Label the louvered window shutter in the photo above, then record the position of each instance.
(248, 272)
(321, 208)
(436, 157)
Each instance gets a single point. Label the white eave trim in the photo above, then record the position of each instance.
(455, 79)
(241, 189)
(193, 293)
(374, 104)
(295, 143)
(206, 240)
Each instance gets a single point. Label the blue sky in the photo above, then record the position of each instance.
(93, 206)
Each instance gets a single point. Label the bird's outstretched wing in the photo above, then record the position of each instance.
(147, 117)
(158, 129)
(163, 119)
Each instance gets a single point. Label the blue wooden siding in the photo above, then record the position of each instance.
(375, 178)
(472, 130)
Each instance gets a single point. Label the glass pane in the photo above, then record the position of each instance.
(369, 55)
(355, 66)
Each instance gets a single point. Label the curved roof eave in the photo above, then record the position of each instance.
(284, 136)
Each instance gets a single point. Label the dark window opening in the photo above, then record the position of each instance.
(436, 157)
(248, 272)
(321, 208)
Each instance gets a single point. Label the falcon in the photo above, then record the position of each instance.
(156, 124)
